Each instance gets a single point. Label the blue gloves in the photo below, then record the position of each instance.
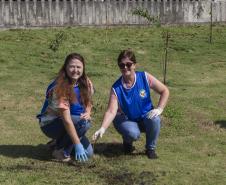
(80, 153)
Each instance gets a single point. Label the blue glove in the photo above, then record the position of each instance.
(80, 152)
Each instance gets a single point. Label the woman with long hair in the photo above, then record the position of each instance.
(66, 112)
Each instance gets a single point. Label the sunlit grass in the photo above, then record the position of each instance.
(192, 147)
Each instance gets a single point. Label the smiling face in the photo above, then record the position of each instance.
(74, 69)
(127, 67)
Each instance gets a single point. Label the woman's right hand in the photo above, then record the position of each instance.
(80, 153)
(99, 133)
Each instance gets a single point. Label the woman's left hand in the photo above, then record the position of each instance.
(85, 116)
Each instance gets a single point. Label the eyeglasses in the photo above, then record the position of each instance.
(122, 65)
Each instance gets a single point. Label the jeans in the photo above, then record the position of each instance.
(131, 130)
(56, 130)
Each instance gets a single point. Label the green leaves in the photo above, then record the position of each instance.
(145, 14)
(57, 41)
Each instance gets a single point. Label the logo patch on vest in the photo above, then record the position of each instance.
(142, 93)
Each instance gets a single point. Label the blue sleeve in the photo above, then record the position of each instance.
(45, 105)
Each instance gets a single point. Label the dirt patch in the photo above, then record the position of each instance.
(207, 124)
(202, 120)
(125, 177)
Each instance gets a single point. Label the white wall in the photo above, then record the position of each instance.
(41, 13)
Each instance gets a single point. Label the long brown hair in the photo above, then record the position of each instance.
(64, 84)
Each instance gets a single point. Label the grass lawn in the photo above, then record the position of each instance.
(192, 143)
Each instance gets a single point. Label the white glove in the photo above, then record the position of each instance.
(154, 113)
(99, 133)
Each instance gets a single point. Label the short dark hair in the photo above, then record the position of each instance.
(127, 53)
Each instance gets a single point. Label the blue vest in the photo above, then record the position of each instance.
(49, 90)
(135, 102)
(75, 108)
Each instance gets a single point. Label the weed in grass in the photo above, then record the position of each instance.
(59, 38)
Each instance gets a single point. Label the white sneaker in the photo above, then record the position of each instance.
(61, 156)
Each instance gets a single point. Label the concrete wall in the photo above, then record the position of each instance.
(41, 13)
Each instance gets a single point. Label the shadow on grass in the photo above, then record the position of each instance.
(39, 152)
(111, 149)
(222, 123)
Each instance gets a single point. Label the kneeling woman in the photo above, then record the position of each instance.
(65, 115)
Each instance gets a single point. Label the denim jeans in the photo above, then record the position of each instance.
(131, 130)
(56, 130)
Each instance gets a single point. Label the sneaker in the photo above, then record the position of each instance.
(60, 155)
(128, 148)
(151, 154)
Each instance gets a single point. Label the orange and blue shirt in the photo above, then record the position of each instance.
(52, 104)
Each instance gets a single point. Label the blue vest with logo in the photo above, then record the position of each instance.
(135, 102)
(75, 108)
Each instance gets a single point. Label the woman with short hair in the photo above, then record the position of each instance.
(130, 106)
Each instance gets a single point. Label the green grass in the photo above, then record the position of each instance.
(192, 144)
